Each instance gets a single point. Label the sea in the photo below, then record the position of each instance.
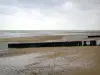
(29, 33)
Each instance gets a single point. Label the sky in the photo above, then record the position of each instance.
(49, 14)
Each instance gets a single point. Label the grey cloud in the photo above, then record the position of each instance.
(7, 10)
(50, 5)
(48, 2)
(86, 1)
(87, 4)
(39, 3)
(8, 7)
(82, 13)
(8, 2)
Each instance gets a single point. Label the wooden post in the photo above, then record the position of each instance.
(85, 43)
(93, 43)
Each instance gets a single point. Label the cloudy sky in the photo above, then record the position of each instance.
(49, 14)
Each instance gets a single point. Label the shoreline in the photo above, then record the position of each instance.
(48, 38)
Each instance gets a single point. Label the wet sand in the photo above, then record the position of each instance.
(31, 39)
(51, 61)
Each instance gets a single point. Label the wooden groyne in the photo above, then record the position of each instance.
(94, 36)
(52, 44)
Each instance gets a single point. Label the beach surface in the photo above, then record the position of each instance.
(40, 36)
(83, 60)
(51, 61)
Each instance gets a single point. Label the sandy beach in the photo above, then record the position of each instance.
(50, 60)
